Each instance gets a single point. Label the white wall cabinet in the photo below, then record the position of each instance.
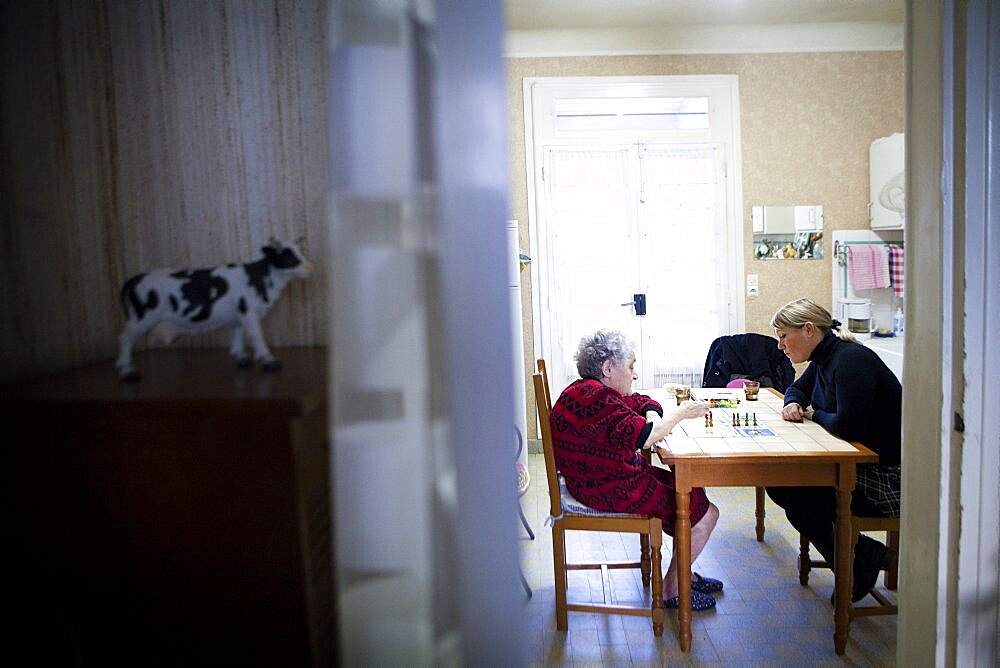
(887, 184)
(808, 219)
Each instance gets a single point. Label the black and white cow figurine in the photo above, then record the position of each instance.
(190, 301)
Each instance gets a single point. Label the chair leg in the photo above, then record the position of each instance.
(760, 514)
(524, 521)
(804, 562)
(527, 587)
(655, 540)
(644, 559)
(892, 573)
(559, 566)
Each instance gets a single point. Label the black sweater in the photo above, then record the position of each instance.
(854, 396)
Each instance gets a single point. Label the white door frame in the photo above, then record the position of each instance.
(949, 535)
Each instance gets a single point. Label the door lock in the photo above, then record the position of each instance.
(638, 302)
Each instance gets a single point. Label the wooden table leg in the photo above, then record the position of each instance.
(682, 538)
(844, 560)
(760, 514)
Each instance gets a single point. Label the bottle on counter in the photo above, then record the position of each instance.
(897, 322)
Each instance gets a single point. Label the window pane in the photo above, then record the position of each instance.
(632, 113)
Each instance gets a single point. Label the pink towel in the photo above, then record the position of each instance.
(897, 261)
(868, 266)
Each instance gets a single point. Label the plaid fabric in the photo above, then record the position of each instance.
(868, 267)
(896, 262)
(880, 484)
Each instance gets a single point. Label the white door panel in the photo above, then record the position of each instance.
(592, 249)
(682, 257)
(636, 219)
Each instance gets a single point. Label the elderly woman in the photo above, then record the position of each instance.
(852, 393)
(598, 428)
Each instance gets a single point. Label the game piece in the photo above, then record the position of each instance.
(755, 419)
(746, 419)
(723, 403)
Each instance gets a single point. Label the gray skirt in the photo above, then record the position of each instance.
(880, 485)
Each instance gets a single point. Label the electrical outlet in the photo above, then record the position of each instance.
(753, 285)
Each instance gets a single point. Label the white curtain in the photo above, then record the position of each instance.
(641, 218)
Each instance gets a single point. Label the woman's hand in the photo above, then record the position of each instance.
(690, 409)
(663, 426)
(793, 412)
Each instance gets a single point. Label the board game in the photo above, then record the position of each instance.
(733, 424)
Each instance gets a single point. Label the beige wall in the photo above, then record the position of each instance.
(142, 134)
(806, 121)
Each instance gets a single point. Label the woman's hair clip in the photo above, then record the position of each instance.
(836, 323)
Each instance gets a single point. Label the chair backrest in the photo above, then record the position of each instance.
(751, 355)
(551, 474)
(540, 363)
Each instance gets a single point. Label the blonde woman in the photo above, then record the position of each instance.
(852, 393)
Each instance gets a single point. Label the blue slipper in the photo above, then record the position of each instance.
(699, 602)
(706, 585)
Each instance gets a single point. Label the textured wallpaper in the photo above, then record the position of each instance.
(806, 121)
(140, 135)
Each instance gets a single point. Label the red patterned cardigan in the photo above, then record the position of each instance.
(597, 434)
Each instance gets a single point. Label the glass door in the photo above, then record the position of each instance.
(628, 220)
(593, 238)
(681, 254)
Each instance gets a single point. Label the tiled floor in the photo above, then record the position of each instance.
(763, 616)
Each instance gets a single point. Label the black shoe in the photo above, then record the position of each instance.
(870, 557)
(871, 550)
(865, 577)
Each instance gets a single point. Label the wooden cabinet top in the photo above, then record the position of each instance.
(187, 379)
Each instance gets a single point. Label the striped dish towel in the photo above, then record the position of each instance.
(868, 266)
(896, 265)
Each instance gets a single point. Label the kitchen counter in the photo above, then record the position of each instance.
(890, 350)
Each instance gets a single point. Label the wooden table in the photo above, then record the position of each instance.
(774, 453)
(181, 520)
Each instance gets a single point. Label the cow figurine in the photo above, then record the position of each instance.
(190, 301)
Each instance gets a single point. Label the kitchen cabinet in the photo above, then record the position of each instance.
(786, 220)
(887, 183)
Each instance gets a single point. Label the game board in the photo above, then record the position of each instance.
(738, 425)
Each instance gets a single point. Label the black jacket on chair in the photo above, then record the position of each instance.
(753, 356)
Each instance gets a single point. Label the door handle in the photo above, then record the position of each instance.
(638, 302)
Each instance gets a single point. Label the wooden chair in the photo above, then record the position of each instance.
(890, 525)
(540, 364)
(567, 514)
(643, 539)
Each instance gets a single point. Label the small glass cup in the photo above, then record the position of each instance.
(751, 388)
(682, 394)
